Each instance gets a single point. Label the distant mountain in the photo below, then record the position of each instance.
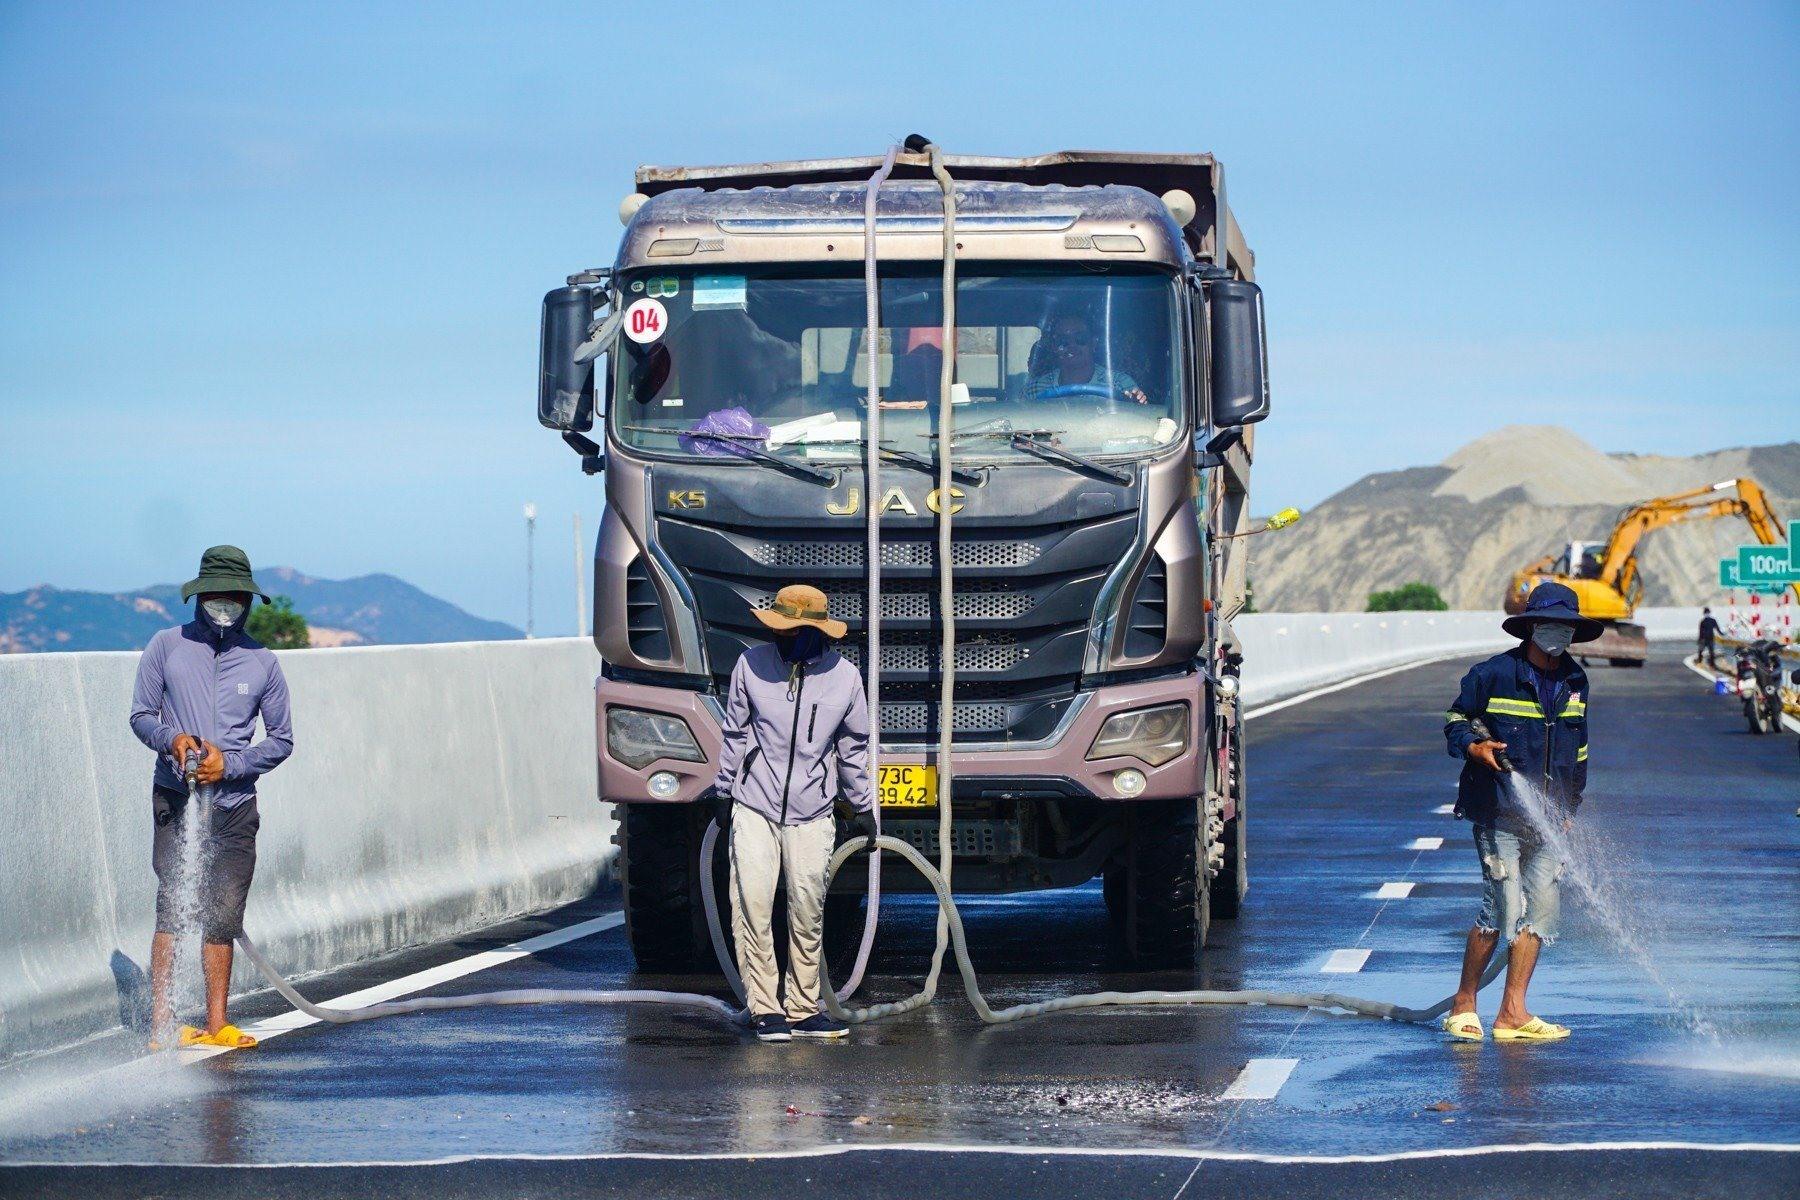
(1499, 503)
(367, 610)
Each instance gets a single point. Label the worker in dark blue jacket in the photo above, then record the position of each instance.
(1521, 713)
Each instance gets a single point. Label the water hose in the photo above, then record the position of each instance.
(949, 924)
(872, 551)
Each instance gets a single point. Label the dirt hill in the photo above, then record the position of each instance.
(1501, 501)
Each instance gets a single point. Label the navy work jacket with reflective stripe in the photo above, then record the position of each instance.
(1545, 736)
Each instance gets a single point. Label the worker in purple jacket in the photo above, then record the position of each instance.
(796, 740)
(200, 688)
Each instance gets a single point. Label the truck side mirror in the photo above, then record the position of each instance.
(1239, 376)
(565, 385)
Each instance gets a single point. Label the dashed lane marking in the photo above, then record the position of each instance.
(1344, 962)
(1394, 891)
(1424, 843)
(1260, 1079)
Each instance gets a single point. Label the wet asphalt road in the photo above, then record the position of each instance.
(1690, 819)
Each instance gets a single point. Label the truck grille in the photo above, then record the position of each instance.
(921, 719)
(1025, 595)
(916, 600)
(918, 651)
(893, 554)
(968, 839)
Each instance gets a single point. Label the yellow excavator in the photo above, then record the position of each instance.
(1604, 577)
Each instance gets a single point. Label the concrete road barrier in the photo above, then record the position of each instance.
(1289, 653)
(433, 790)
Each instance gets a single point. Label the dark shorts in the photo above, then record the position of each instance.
(227, 862)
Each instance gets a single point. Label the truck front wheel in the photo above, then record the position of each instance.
(1167, 907)
(1233, 879)
(659, 872)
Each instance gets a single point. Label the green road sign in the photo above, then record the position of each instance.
(1765, 564)
(1762, 568)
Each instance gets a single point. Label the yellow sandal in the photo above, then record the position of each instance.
(1464, 1027)
(1534, 1030)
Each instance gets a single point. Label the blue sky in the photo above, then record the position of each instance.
(271, 276)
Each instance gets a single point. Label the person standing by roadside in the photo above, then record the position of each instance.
(200, 689)
(796, 738)
(1525, 708)
(1709, 630)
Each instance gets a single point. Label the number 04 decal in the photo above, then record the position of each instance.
(646, 320)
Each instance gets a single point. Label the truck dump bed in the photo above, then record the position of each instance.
(1200, 175)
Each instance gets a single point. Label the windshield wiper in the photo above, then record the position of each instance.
(746, 444)
(1034, 441)
(910, 458)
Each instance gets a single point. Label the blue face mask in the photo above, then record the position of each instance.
(803, 644)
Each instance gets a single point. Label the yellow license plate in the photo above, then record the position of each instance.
(908, 787)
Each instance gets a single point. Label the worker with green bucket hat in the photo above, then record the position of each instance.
(201, 688)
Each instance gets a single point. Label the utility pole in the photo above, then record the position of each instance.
(580, 584)
(530, 583)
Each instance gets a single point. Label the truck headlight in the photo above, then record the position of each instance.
(1154, 735)
(638, 738)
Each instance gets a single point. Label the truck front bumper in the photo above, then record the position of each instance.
(1056, 767)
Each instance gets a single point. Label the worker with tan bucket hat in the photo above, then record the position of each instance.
(796, 741)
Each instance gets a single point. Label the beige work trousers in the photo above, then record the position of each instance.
(761, 852)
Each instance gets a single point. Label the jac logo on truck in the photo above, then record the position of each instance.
(692, 498)
(895, 500)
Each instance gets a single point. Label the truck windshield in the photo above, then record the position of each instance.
(1087, 360)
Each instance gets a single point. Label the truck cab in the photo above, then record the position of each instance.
(1104, 305)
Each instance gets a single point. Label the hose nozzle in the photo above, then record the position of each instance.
(1484, 734)
(190, 768)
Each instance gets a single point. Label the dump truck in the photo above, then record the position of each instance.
(1604, 575)
(1109, 365)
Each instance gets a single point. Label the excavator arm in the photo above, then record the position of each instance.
(1618, 566)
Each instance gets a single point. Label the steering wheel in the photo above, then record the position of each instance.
(1063, 391)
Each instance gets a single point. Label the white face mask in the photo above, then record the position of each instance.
(221, 612)
(1552, 637)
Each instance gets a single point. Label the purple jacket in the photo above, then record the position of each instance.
(785, 729)
(191, 679)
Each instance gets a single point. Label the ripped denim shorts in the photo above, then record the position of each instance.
(1521, 884)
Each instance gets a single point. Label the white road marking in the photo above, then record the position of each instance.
(1303, 697)
(1426, 843)
(418, 981)
(1705, 674)
(1394, 891)
(1445, 810)
(836, 1149)
(1260, 1079)
(1344, 962)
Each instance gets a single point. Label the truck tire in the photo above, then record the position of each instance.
(659, 872)
(1168, 908)
(1112, 887)
(1233, 879)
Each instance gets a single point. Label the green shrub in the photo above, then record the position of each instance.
(278, 626)
(1408, 597)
